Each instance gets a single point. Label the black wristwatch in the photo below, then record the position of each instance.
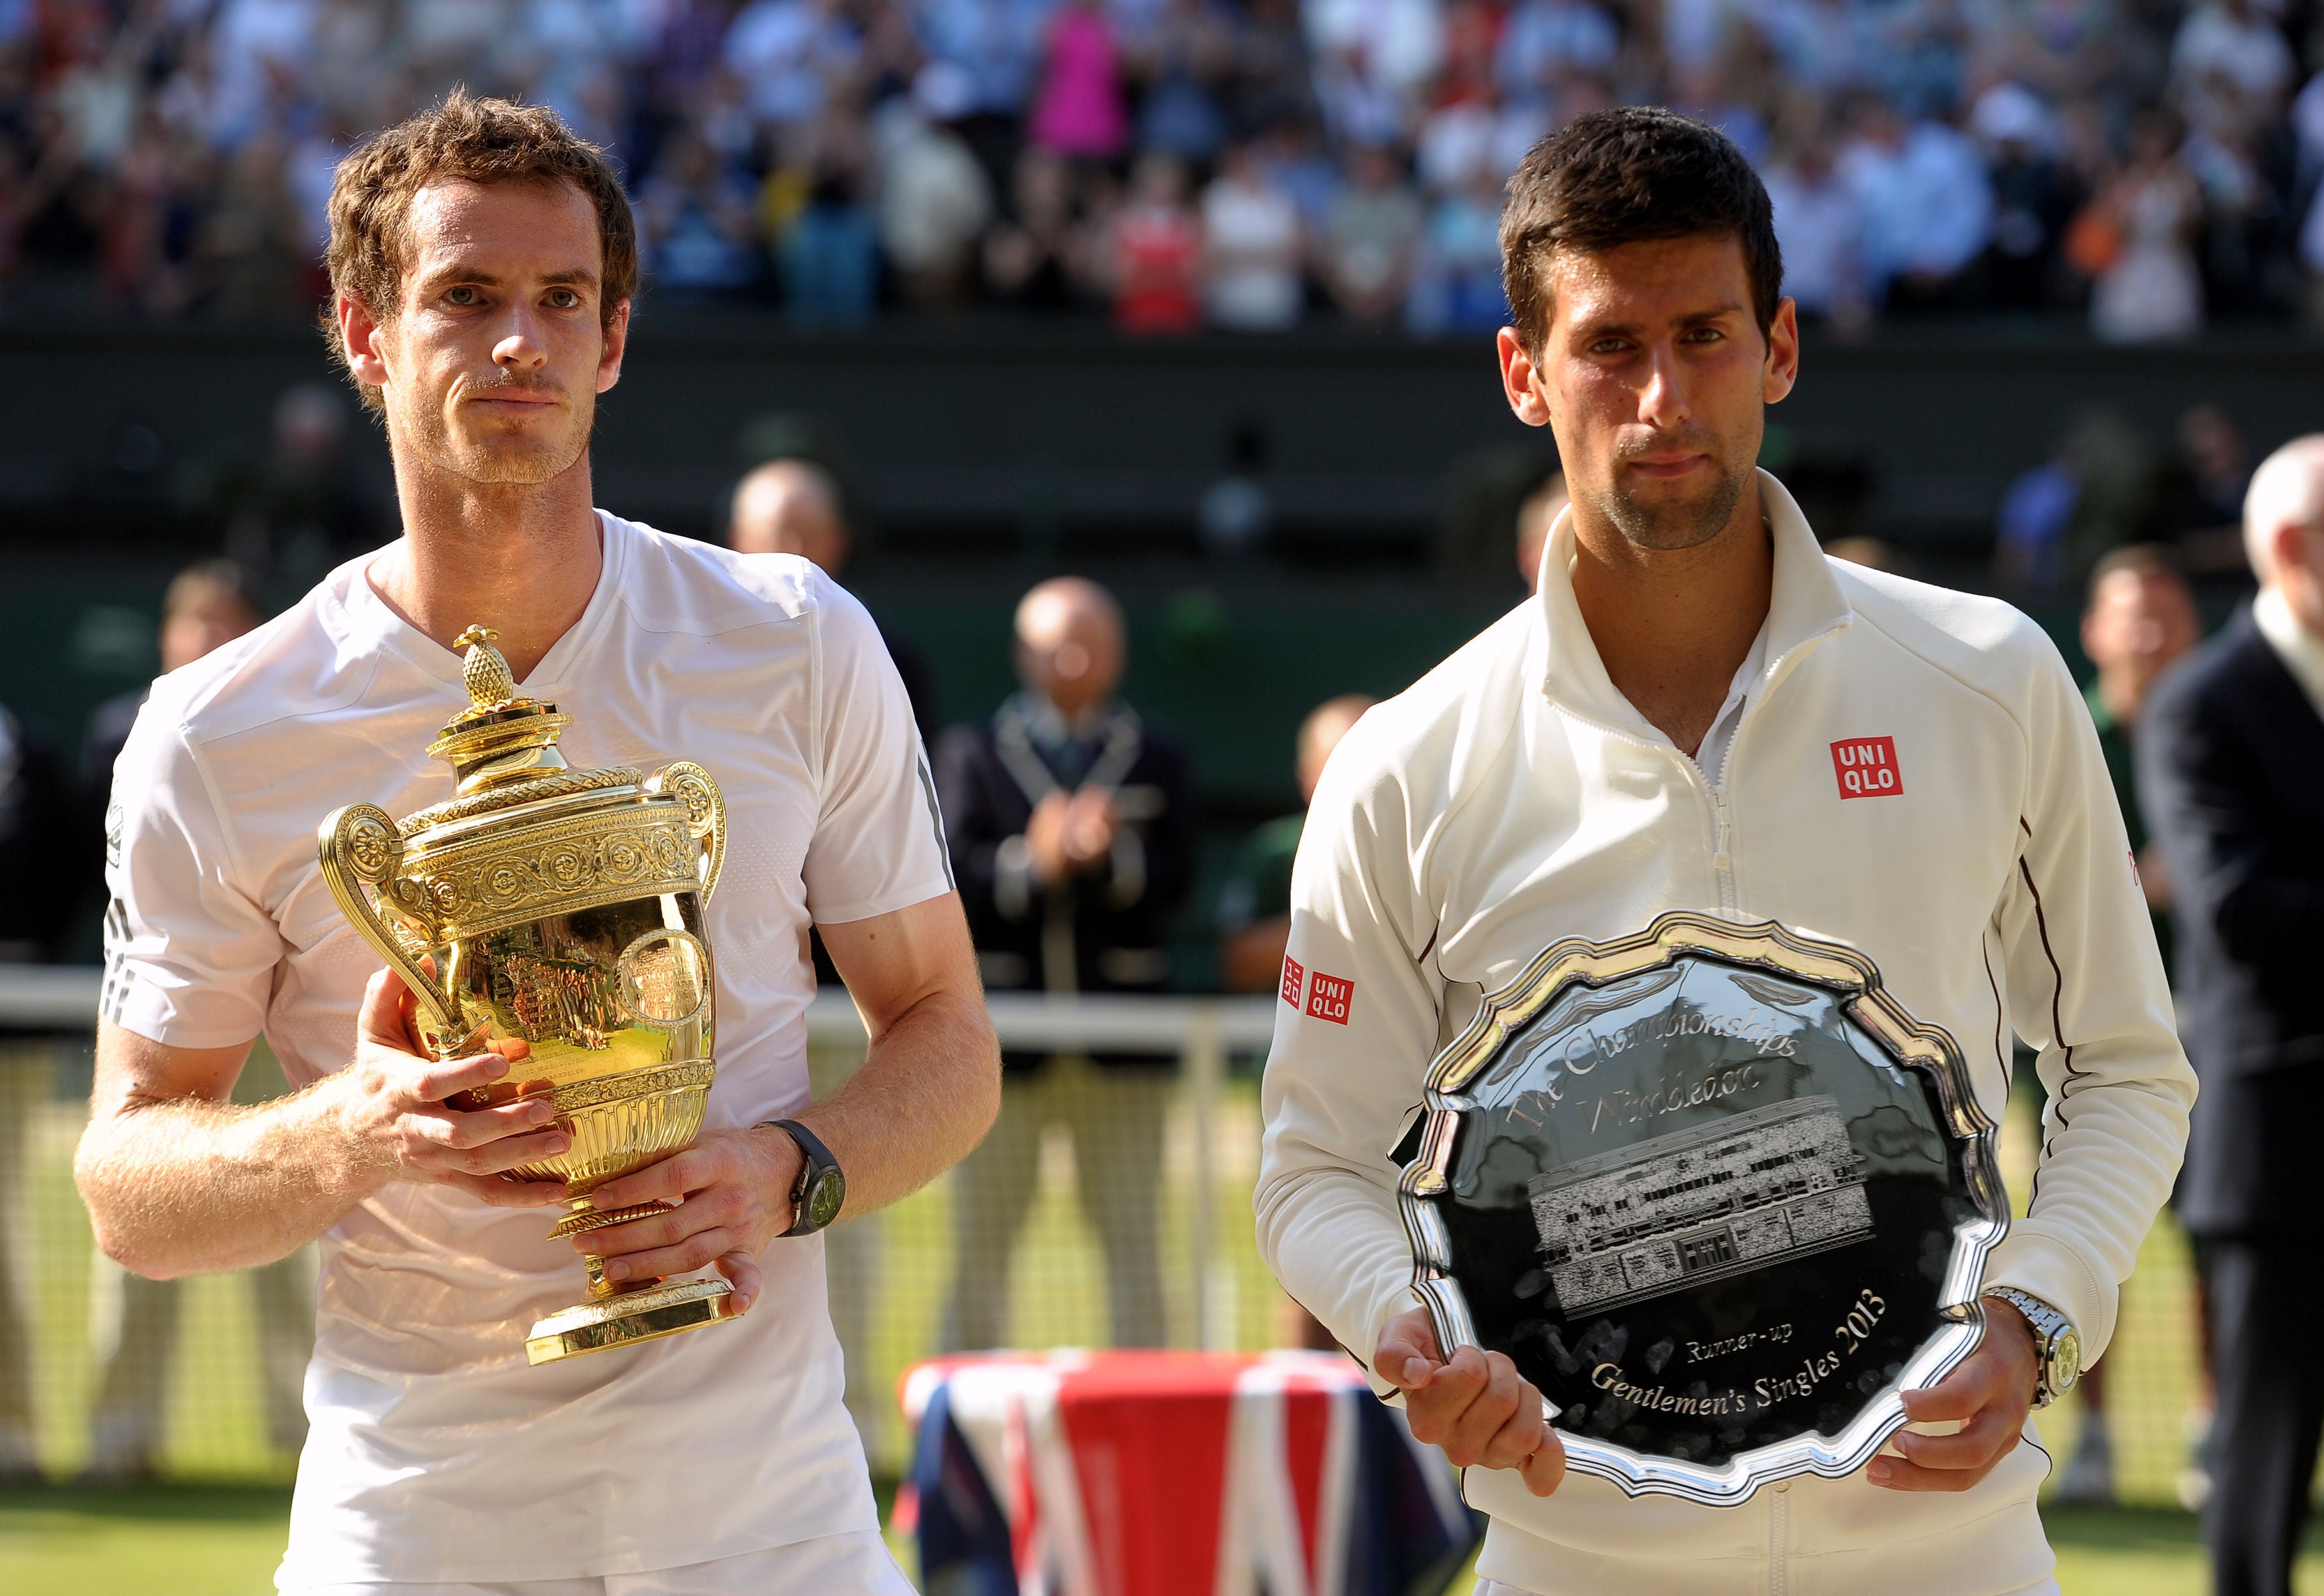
(821, 1186)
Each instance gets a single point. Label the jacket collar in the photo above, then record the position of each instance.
(1805, 606)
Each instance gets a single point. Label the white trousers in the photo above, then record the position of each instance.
(856, 1565)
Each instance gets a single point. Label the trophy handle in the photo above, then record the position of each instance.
(705, 813)
(358, 844)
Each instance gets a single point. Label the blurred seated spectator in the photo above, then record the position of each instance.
(831, 253)
(1079, 110)
(1926, 203)
(1389, 48)
(1155, 257)
(788, 52)
(1546, 41)
(1819, 224)
(934, 199)
(1036, 257)
(2033, 201)
(1273, 81)
(2149, 289)
(1254, 911)
(1182, 64)
(1369, 238)
(1456, 283)
(698, 230)
(2239, 41)
(1252, 248)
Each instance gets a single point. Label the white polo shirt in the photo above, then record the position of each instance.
(436, 1453)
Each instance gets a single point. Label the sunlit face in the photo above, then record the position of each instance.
(1654, 377)
(491, 364)
(2140, 618)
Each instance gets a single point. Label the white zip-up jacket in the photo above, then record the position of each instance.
(1513, 798)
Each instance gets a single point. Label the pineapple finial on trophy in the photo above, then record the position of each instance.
(502, 737)
(486, 673)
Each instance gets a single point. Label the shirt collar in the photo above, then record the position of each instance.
(2300, 649)
(1805, 604)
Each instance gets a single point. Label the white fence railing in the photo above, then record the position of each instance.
(1201, 1031)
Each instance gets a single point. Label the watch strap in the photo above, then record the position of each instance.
(2049, 1327)
(816, 1162)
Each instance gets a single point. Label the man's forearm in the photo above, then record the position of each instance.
(925, 1095)
(186, 1186)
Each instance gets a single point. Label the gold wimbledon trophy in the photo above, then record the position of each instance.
(559, 912)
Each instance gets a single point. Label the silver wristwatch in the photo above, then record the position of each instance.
(2056, 1344)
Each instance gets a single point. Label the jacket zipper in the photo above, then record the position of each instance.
(1779, 1542)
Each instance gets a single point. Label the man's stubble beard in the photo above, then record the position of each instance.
(1669, 527)
(444, 449)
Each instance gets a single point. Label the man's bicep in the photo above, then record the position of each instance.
(892, 961)
(134, 1070)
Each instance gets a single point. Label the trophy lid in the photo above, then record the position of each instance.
(502, 736)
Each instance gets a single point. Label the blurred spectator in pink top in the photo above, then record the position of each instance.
(1080, 110)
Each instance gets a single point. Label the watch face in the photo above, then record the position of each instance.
(824, 1198)
(2065, 1358)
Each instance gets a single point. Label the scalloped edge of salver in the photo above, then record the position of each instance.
(1766, 945)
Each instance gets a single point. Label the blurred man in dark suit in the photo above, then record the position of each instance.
(2231, 767)
(1073, 828)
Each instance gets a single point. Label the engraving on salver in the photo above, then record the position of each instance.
(1680, 1210)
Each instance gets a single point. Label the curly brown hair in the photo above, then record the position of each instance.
(1625, 176)
(479, 141)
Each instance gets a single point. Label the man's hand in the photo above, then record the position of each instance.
(1990, 1394)
(1091, 821)
(1045, 837)
(732, 1189)
(1070, 833)
(1473, 1406)
(393, 1107)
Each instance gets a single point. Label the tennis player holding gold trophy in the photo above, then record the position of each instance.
(554, 917)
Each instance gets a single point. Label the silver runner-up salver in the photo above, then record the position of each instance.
(1716, 1194)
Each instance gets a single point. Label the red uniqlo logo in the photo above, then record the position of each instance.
(1328, 997)
(1294, 973)
(1867, 767)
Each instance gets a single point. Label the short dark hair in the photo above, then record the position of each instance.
(481, 140)
(2147, 559)
(1625, 176)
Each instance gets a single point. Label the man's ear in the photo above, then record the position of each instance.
(617, 343)
(359, 332)
(1783, 353)
(1520, 379)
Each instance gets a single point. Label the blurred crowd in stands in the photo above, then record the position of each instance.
(1245, 164)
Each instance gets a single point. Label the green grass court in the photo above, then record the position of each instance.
(217, 1527)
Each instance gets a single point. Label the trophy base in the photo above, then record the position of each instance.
(632, 1318)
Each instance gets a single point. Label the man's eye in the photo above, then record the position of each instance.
(461, 295)
(564, 298)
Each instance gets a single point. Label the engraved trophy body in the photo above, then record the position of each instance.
(1716, 1194)
(554, 916)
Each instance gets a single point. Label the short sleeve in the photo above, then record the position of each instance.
(190, 957)
(879, 837)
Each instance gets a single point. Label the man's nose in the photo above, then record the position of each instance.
(519, 348)
(1662, 399)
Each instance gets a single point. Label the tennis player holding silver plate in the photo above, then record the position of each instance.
(1654, 967)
